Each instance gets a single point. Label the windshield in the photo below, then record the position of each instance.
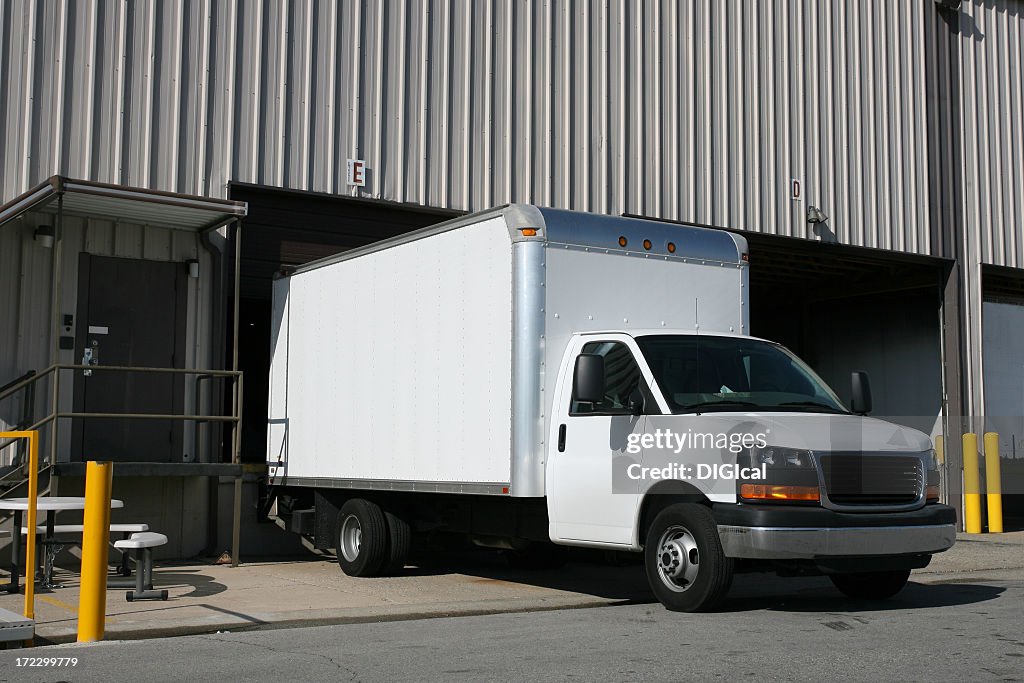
(708, 374)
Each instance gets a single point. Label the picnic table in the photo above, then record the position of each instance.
(51, 505)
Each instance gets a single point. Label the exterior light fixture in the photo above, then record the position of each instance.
(44, 235)
(815, 215)
(193, 268)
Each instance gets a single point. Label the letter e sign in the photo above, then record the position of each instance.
(356, 172)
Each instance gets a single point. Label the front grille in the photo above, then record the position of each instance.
(855, 479)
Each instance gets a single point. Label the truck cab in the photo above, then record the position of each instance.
(712, 451)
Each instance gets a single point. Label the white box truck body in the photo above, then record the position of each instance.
(526, 375)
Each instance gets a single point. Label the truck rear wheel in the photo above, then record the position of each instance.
(399, 542)
(361, 538)
(871, 585)
(683, 558)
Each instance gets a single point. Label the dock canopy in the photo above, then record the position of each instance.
(129, 204)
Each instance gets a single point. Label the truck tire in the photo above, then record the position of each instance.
(399, 542)
(871, 585)
(361, 538)
(683, 558)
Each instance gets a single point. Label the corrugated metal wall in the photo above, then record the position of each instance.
(992, 85)
(702, 111)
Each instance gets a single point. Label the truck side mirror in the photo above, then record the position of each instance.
(860, 402)
(588, 378)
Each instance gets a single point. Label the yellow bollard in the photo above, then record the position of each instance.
(972, 486)
(30, 520)
(92, 605)
(993, 485)
(940, 449)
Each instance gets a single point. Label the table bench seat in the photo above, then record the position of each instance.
(53, 546)
(148, 539)
(142, 544)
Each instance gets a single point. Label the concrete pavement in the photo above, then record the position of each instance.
(206, 598)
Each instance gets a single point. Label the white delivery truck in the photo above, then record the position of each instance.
(533, 378)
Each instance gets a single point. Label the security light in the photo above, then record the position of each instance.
(815, 215)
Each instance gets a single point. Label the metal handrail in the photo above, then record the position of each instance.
(17, 380)
(12, 387)
(56, 414)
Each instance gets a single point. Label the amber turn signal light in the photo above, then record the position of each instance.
(931, 493)
(768, 492)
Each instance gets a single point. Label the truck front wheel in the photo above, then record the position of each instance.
(686, 568)
(871, 585)
(361, 537)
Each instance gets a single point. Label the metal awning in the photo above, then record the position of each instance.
(128, 204)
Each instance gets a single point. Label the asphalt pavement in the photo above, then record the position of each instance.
(953, 626)
(962, 619)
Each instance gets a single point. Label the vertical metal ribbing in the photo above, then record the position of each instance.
(302, 157)
(83, 167)
(170, 97)
(424, 104)
(29, 38)
(485, 178)
(396, 126)
(201, 126)
(329, 119)
(467, 110)
(120, 71)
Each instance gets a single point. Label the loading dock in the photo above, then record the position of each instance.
(113, 296)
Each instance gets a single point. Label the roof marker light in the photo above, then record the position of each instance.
(528, 232)
(623, 241)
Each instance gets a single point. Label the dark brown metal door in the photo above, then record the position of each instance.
(131, 312)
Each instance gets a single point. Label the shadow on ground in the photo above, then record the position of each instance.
(624, 582)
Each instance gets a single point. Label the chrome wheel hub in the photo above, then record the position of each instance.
(678, 558)
(350, 539)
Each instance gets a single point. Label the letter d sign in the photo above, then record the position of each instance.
(357, 172)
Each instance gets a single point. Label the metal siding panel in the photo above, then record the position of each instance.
(298, 87)
(323, 76)
(696, 111)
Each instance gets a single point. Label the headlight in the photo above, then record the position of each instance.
(932, 460)
(778, 457)
(790, 476)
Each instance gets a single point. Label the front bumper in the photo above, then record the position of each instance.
(783, 533)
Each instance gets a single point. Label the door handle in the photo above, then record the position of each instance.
(561, 438)
(91, 356)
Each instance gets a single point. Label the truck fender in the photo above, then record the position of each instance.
(657, 498)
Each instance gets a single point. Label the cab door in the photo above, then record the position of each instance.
(590, 497)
